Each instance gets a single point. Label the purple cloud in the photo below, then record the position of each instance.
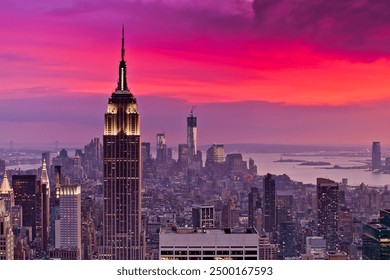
(80, 118)
(358, 27)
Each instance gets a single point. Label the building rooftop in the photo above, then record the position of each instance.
(5, 186)
(209, 231)
(378, 226)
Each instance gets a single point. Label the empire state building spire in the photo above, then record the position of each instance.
(122, 83)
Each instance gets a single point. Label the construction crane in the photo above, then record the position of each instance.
(193, 109)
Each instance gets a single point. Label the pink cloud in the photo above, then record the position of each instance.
(290, 52)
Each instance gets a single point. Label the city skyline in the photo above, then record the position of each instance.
(279, 72)
(264, 60)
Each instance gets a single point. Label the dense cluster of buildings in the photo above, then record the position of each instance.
(128, 199)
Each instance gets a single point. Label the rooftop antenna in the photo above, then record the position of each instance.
(123, 42)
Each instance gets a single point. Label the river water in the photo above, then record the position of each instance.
(308, 174)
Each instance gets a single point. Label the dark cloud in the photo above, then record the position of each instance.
(355, 26)
(357, 29)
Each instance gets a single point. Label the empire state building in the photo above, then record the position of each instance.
(122, 233)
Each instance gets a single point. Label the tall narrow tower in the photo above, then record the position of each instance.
(191, 135)
(328, 212)
(376, 155)
(69, 231)
(269, 206)
(43, 208)
(122, 234)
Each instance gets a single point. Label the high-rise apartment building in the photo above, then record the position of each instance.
(68, 228)
(328, 212)
(286, 240)
(25, 189)
(122, 233)
(269, 205)
(376, 155)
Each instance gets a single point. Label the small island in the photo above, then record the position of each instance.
(347, 167)
(315, 163)
(289, 160)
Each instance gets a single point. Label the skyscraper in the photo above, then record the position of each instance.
(328, 211)
(254, 203)
(376, 155)
(376, 238)
(69, 230)
(122, 233)
(47, 159)
(191, 136)
(25, 189)
(43, 208)
(7, 194)
(269, 205)
(6, 235)
(161, 147)
(215, 154)
(145, 151)
(183, 155)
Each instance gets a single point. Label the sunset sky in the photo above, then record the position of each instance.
(262, 71)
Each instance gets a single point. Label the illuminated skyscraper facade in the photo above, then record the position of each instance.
(328, 212)
(122, 233)
(7, 194)
(6, 235)
(43, 210)
(69, 229)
